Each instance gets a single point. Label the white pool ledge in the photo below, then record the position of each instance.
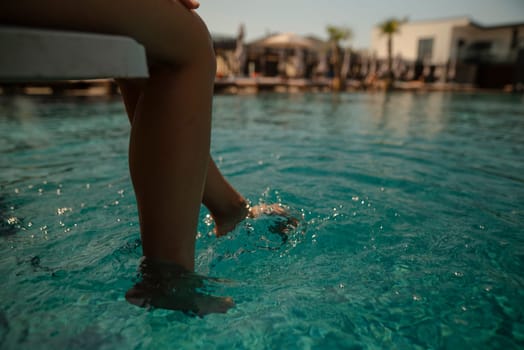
(29, 54)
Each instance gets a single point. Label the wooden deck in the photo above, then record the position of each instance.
(104, 87)
(277, 84)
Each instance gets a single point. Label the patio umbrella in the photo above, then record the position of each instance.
(285, 41)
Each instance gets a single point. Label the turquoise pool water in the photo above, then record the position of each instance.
(411, 233)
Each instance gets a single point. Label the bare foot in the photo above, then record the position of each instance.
(224, 225)
(227, 222)
(169, 286)
(267, 209)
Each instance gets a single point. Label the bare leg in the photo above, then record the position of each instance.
(168, 160)
(227, 206)
(170, 136)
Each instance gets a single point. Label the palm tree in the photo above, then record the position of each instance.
(391, 27)
(336, 35)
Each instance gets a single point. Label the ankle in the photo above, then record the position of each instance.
(235, 209)
(228, 217)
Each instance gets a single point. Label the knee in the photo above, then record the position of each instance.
(205, 58)
(203, 53)
(193, 49)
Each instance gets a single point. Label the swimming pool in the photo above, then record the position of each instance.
(411, 232)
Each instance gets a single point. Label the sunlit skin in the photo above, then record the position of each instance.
(190, 4)
(169, 148)
(226, 205)
(228, 208)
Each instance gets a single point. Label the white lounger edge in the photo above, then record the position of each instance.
(33, 55)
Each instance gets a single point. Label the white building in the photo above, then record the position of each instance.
(451, 49)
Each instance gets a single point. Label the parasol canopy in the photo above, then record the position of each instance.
(285, 41)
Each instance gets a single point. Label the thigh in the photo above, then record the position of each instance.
(168, 30)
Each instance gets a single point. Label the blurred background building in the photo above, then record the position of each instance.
(445, 52)
(455, 50)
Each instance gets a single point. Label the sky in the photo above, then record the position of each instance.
(305, 17)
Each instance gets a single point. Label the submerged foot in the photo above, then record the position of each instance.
(189, 302)
(169, 286)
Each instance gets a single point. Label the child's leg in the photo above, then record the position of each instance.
(169, 147)
(227, 206)
(168, 157)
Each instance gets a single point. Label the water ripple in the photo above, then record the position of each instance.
(409, 234)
